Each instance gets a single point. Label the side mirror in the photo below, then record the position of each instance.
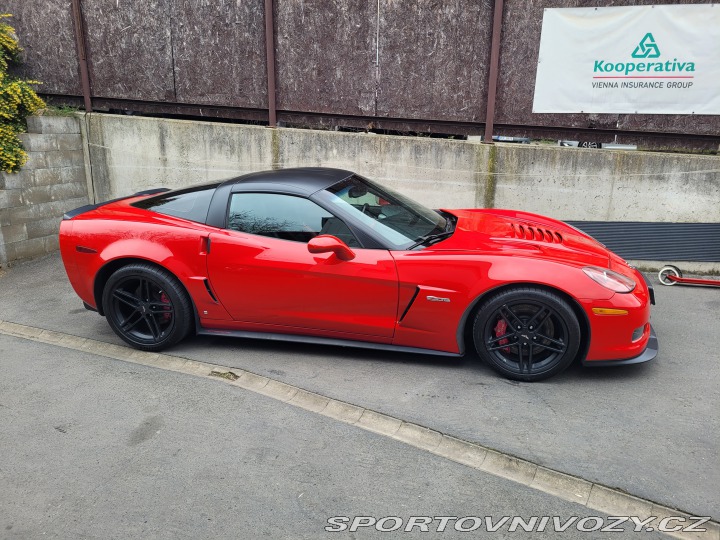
(326, 243)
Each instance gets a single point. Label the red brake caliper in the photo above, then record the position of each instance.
(165, 300)
(501, 330)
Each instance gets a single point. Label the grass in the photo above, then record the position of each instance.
(62, 110)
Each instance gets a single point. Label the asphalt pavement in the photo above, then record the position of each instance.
(96, 448)
(650, 430)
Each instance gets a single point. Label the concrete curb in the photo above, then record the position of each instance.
(611, 502)
(562, 485)
(510, 467)
(418, 436)
(589, 494)
(379, 423)
(461, 452)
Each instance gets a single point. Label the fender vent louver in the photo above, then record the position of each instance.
(412, 301)
(209, 290)
(528, 232)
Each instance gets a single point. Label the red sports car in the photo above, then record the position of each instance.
(326, 256)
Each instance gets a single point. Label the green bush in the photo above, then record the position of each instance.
(17, 101)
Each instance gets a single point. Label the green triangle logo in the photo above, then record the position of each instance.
(647, 48)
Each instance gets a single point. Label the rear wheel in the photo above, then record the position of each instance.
(147, 307)
(527, 334)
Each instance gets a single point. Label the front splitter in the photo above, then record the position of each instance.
(650, 352)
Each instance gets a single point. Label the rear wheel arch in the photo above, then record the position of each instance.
(147, 306)
(466, 323)
(103, 275)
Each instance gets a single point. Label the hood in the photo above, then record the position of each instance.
(524, 234)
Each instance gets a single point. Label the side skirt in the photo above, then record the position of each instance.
(322, 341)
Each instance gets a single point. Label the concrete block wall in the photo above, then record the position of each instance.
(133, 153)
(52, 182)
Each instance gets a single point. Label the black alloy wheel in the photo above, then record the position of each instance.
(527, 334)
(147, 307)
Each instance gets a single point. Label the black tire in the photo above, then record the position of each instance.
(147, 307)
(526, 334)
(666, 271)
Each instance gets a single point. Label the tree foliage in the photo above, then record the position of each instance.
(18, 100)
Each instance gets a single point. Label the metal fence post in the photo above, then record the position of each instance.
(82, 53)
(270, 55)
(494, 68)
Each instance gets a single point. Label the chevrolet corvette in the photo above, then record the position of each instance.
(326, 256)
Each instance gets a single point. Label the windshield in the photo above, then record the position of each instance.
(402, 222)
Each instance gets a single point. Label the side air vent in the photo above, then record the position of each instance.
(528, 232)
(209, 290)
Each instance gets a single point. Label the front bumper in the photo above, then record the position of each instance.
(650, 352)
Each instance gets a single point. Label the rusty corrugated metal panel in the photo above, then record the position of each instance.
(45, 30)
(518, 63)
(168, 109)
(434, 58)
(431, 77)
(219, 52)
(129, 49)
(325, 56)
(699, 124)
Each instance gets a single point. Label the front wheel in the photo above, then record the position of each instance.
(147, 307)
(526, 334)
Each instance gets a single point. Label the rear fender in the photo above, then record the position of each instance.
(192, 277)
(150, 251)
(130, 251)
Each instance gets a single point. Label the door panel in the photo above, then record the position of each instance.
(267, 280)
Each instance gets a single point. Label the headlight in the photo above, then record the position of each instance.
(609, 279)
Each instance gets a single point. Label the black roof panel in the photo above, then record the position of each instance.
(301, 181)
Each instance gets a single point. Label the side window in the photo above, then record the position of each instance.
(285, 217)
(192, 204)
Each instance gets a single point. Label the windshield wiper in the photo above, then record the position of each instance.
(431, 239)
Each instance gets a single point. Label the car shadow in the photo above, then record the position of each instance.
(577, 372)
(470, 363)
(272, 347)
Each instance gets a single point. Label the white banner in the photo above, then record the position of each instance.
(639, 59)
